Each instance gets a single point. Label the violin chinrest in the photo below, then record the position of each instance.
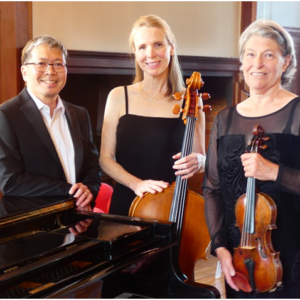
(242, 282)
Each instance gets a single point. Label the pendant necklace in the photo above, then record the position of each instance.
(152, 96)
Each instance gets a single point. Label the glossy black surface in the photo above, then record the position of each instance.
(50, 249)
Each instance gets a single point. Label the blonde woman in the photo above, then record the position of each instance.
(142, 138)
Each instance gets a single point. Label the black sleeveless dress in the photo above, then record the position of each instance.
(225, 182)
(145, 146)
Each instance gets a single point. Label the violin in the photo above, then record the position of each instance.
(176, 203)
(258, 267)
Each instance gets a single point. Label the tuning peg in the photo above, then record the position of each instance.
(205, 108)
(202, 83)
(205, 96)
(176, 109)
(266, 138)
(263, 147)
(177, 96)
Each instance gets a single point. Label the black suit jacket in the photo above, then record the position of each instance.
(29, 163)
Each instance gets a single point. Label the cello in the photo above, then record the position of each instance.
(258, 267)
(176, 203)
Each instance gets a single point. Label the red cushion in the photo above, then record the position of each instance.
(103, 198)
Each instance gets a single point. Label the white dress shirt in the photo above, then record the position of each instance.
(60, 134)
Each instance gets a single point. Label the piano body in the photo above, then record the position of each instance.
(48, 249)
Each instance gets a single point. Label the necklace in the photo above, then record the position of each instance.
(151, 96)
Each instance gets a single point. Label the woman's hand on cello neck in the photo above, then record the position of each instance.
(140, 187)
(190, 165)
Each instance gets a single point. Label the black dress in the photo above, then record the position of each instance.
(225, 182)
(145, 146)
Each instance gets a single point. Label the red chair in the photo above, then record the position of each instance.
(103, 199)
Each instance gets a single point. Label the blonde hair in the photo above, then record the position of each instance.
(272, 30)
(175, 80)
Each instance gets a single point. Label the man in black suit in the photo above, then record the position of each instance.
(46, 146)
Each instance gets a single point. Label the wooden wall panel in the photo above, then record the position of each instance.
(15, 31)
(248, 14)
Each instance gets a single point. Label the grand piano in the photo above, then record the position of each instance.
(49, 249)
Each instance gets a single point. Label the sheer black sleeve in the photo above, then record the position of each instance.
(288, 179)
(284, 125)
(214, 211)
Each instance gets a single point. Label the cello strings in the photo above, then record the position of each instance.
(185, 152)
(184, 181)
(175, 203)
(177, 209)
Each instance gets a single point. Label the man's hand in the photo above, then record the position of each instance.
(82, 194)
(80, 227)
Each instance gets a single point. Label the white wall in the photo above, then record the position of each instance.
(201, 28)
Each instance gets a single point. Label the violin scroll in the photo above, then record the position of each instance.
(257, 142)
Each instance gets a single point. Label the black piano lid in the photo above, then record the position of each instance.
(56, 251)
(11, 205)
(36, 243)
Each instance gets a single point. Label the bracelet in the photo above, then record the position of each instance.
(201, 162)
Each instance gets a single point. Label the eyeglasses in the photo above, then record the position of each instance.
(43, 67)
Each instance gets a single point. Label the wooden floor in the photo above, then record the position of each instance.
(205, 273)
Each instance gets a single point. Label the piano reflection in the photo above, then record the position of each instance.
(48, 249)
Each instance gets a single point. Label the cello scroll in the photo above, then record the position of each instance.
(194, 83)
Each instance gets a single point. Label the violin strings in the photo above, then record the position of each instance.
(250, 210)
(249, 213)
(243, 238)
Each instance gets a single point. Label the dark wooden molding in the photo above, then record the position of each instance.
(214, 66)
(90, 62)
(294, 32)
(248, 14)
(109, 63)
